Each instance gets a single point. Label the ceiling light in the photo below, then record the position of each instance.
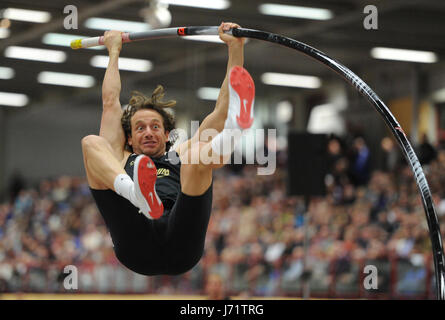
(325, 118)
(207, 38)
(404, 55)
(66, 79)
(291, 80)
(113, 24)
(156, 14)
(4, 33)
(439, 96)
(129, 64)
(207, 93)
(35, 54)
(6, 73)
(295, 11)
(284, 111)
(214, 4)
(26, 15)
(13, 99)
(59, 39)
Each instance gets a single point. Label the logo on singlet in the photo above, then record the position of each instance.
(163, 172)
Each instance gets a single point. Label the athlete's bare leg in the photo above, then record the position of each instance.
(101, 165)
(198, 162)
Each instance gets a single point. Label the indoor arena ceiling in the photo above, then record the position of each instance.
(187, 65)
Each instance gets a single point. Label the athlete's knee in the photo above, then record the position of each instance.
(91, 142)
(88, 141)
(200, 156)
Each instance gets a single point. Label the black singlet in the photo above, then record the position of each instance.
(168, 184)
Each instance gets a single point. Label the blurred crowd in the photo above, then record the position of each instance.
(260, 241)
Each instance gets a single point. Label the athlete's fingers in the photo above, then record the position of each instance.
(113, 39)
(227, 38)
(226, 26)
(220, 28)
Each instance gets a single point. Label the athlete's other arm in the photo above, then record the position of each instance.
(110, 126)
(216, 119)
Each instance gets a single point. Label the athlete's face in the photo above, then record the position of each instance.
(148, 135)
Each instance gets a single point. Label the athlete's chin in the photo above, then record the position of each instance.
(151, 152)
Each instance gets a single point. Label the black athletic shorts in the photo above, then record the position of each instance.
(170, 245)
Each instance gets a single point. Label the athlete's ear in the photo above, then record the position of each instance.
(129, 140)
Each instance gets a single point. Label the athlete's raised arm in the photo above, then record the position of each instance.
(110, 126)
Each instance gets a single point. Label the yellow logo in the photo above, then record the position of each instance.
(163, 172)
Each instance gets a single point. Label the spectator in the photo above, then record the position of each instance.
(215, 288)
(426, 151)
(360, 168)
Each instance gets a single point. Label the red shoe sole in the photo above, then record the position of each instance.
(147, 175)
(242, 83)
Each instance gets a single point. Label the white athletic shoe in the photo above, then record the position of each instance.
(241, 98)
(144, 177)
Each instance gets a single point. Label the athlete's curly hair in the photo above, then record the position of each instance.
(139, 101)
